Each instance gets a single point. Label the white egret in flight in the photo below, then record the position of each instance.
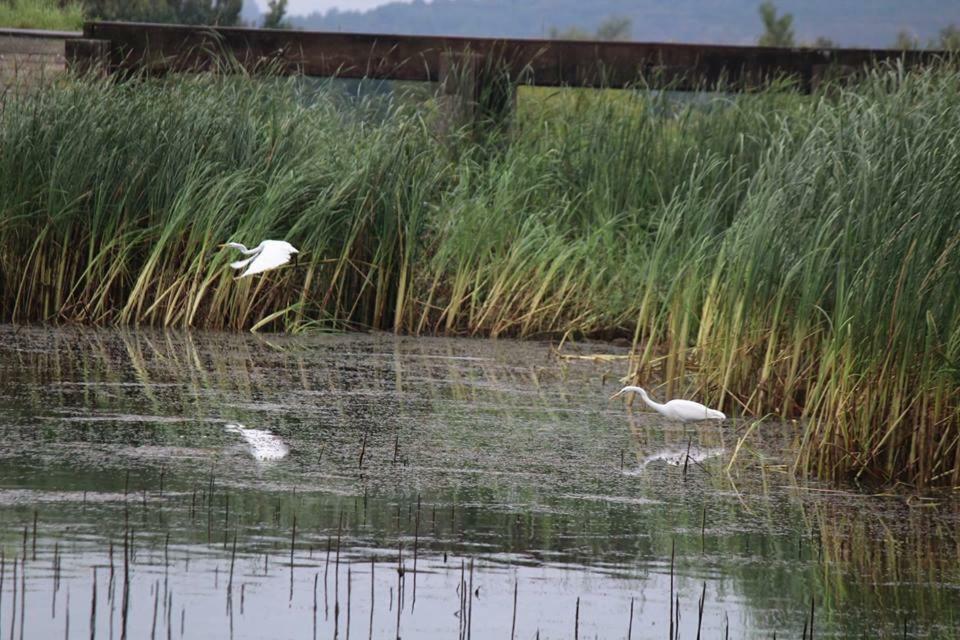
(267, 255)
(682, 410)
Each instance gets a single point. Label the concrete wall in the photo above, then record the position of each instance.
(30, 54)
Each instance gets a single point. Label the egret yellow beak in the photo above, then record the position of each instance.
(617, 394)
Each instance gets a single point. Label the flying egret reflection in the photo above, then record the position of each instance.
(267, 255)
(682, 410)
(263, 444)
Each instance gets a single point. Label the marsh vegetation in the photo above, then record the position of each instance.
(772, 253)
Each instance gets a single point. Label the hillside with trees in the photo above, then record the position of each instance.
(852, 23)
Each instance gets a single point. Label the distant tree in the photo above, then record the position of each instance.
(949, 38)
(276, 12)
(573, 33)
(824, 43)
(613, 28)
(906, 41)
(777, 30)
(218, 12)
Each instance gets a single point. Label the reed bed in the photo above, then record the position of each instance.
(774, 253)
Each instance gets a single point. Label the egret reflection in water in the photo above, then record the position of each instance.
(262, 444)
(677, 457)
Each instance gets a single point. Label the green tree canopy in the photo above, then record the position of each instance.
(777, 30)
(906, 41)
(276, 14)
(613, 28)
(949, 38)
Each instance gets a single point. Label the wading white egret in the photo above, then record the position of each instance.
(267, 255)
(682, 410)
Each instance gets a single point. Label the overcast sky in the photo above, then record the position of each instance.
(303, 7)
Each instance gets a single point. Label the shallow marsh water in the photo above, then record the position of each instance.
(474, 467)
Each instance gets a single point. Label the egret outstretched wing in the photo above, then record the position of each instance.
(240, 264)
(269, 254)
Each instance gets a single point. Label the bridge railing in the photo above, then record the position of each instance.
(473, 69)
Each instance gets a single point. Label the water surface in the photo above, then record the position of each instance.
(236, 486)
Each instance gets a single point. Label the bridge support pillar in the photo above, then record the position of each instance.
(476, 91)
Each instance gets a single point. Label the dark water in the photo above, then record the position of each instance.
(494, 465)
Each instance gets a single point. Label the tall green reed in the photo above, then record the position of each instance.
(772, 252)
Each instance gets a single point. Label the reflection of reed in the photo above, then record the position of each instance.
(370, 382)
(207, 374)
(903, 562)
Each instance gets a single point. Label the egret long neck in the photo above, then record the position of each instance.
(242, 248)
(656, 406)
